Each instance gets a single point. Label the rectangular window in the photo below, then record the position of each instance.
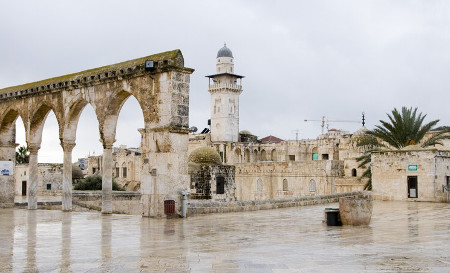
(291, 157)
(325, 156)
(124, 172)
(117, 172)
(315, 156)
(412, 187)
(49, 186)
(93, 170)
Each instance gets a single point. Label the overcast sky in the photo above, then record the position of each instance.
(301, 59)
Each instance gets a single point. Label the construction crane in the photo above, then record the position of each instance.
(324, 121)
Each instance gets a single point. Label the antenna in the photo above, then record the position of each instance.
(363, 119)
(296, 134)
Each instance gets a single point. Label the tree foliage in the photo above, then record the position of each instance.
(404, 128)
(22, 155)
(94, 183)
(77, 173)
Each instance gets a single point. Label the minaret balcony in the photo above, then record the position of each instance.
(218, 86)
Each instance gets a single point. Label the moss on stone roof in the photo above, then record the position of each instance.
(205, 156)
(169, 55)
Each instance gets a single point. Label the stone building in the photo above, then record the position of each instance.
(411, 174)
(126, 166)
(271, 167)
(49, 179)
(210, 179)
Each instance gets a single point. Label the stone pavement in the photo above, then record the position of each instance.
(403, 237)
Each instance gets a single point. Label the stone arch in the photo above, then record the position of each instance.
(238, 155)
(259, 185)
(312, 186)
(255, 155)
(124, 170)
(108, 116)
(273, 155)
(247, 155)
(315, 153)
(285, 185)
(73, 116)
(37, 121)
(7, 124)
(263, 155)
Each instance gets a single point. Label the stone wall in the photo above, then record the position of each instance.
(196, 207)
(123, 202)
(391, 169)
(269, 180)
(205, 179)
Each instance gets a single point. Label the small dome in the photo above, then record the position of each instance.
(224, 52)
(205, 156)
(245, 132)
(361, 132)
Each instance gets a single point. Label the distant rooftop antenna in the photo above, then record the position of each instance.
(363, 119)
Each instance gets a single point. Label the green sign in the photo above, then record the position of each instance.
(412, 167)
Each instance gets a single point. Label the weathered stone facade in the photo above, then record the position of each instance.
(161, 86)
(49, 179)
(411, 174)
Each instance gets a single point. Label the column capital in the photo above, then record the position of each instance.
(67, 145)
(33, 148)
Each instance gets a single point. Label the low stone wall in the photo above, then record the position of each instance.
(123, 202)
(204, 207)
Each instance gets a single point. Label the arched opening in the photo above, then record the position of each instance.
(124, 170)
(255, 155)
(116, 170)
(238, 157)
(259, 185)
(312, 186)
(128, 141)
(247, 155)
(273, 155)
(285, 185)
(354, 172)
(51, 150)
(315, 154)
(263, 155)
(87, 140)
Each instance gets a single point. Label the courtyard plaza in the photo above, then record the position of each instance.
(402, 237)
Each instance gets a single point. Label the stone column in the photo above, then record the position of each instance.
(107, 179)
(164, 169)
(7, 153)
(34, 174)
(67, 176)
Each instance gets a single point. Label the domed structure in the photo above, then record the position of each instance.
(205, 156)
(224, 52)
(245, 132)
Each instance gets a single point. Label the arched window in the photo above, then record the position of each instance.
(263, 155)
(312, 185)
(285, 185)
(238, 155)
(124, 170)
(247, 155)
(273, 155)
(354, 173)
(259, 185)
(315, 154)
(116, 167)
(220, 185)
(255, 156)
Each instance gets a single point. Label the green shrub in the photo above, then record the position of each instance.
(94, 183)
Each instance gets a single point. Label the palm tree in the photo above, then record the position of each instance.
(22, 155)
(403, 129)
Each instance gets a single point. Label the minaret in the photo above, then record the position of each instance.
(225, 90)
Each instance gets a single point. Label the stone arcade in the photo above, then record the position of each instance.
(162, 90)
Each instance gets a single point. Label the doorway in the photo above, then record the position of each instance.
(24, 188)
(412, 187)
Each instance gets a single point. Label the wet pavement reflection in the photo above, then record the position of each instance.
(403, 237)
